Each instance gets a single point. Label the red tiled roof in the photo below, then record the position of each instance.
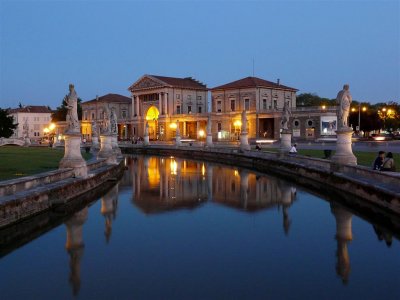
(110, 98)
(187, 82)
(252, 82)
(31, 109)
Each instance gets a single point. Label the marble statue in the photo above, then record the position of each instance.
(72, 115)
(113, 121)
(25, 130)
(94, 128)
(178, 131)
(244, 122)
(343, 101)
(286, 115)
(146, 129)
(106, 128)
(209, 124)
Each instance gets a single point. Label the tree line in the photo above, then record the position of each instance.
(373, 117)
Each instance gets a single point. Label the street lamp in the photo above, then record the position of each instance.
(359, 114)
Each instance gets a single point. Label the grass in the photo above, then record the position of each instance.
(18, 161)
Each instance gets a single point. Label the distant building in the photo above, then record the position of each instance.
(163, 101)
(93, 110)
(262, 100)
(31, 119)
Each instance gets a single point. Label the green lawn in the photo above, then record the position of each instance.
(18, 161)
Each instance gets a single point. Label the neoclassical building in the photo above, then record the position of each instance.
(262, 100)
(31, 119)
(167, 102)
(93, 110)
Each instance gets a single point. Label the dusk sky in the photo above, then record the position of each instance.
(104, 46)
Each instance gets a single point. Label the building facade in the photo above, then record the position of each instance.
(93, 110)
(263, 102)
(32, 120)
(165, 103)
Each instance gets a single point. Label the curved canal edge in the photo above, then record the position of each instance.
(381, 189)
(26, 197)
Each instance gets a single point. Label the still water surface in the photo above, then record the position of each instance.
(179, 229)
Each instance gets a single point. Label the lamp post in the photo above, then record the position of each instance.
(359, 115)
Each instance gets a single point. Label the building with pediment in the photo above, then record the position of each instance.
(167, 102)
(93, 110)
(262, 100)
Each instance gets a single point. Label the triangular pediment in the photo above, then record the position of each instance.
(147, 82)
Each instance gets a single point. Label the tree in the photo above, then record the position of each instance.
(60, 113)
(308, 99)
(7, 125)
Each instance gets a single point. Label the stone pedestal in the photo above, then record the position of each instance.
(244, 141)
(286, 141)
(209, 142)
(27, 142)
(178, 140)
(95, 144)
(344, 153)
(106, 150)
(146, 140)
(73, 157)
(115, 147)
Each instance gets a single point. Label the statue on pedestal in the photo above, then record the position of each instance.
(244, 122)
(343, 101)
(94, 129)
(113, 121)
(178, 131)
(286, 116)
(25, 130)
(106, 128)
(72, 115)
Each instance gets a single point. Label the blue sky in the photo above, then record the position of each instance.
(104, 46)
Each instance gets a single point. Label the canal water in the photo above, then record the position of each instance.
(178, 229)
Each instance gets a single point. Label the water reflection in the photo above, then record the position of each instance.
(109, 204)
(75, 246)
(343, 236)
(157, 185)
(162, 184)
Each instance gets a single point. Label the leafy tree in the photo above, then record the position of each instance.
(60, 113)
(308, 99)
(7, 125)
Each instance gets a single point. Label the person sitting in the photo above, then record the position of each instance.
(293, 150)
(379, 161)
(258, 147)
(388, 163)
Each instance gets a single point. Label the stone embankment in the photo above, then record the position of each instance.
(379, 189)
(28, 196)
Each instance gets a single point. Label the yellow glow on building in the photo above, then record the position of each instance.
(153, 172)
(152, 114)
(237, 123)
(172, 125)
(236, 173)
(203, 169)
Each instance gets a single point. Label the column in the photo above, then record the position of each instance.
(197, 129)
(133, 106)
(166, 103)
(160, 103)
(137, 105)
(184, 128)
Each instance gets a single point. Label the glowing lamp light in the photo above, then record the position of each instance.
(237, 123)
(323, 106)
(46, 130)
(173, 126)
(174, 167)
(364, 108)
(201, 133)
(52, 126)
(353, 109)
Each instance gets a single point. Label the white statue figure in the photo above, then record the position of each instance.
(286, 115)
(72, 115)
(106, 128)
(178, 131)
(113, 121)
(25, 129)
(209, 125)
(343, 101)
(94, 128)
(146, 129)
(244, 121)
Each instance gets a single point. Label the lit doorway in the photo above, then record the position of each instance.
(152, 119)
